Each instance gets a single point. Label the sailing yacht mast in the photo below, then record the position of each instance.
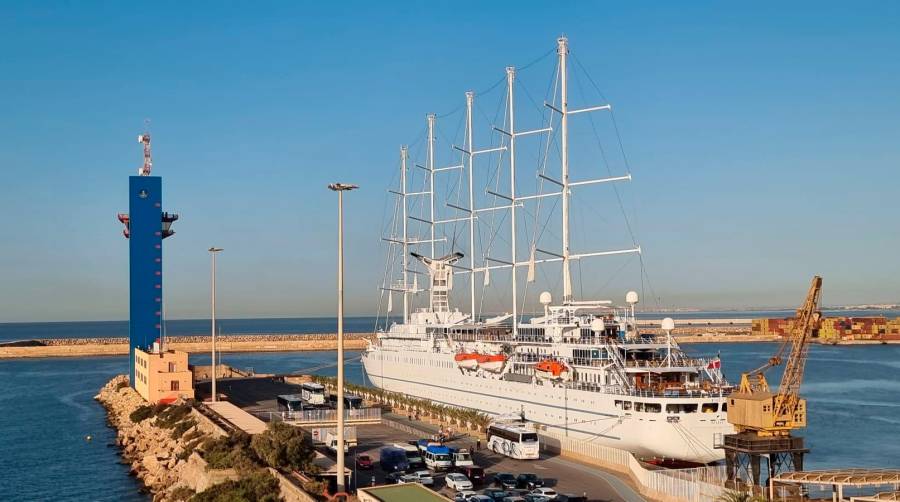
(431, 176)
(404, 154)
(510, 79)
(562, 49)
(470, 157)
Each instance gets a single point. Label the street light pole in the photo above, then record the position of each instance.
(212, 252)
(340, 188)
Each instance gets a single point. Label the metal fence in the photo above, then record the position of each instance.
(691, 485)
(318, 416)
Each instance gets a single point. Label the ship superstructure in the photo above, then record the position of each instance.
(581, 367)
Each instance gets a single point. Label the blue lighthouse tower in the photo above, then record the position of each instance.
(146, 225)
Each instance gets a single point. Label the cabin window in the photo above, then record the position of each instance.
(710, 407)
(618, 404)
(725, 406)
(653, 407)
(626, 405)
(638, 406)
(681, 408)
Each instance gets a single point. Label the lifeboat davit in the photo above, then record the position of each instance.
(548, 369)
(466, 360)
(492, 362)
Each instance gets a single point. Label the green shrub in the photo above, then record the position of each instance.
(141, 413)
(259, 486)
(172, 415)
(182, 427)
(182, 493)
(230, 452)
(283, 447)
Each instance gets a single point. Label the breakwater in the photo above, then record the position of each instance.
(161, 449)
(114, 346)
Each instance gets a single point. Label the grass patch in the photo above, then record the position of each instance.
(182, 493)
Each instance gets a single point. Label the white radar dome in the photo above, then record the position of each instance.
(631, 298)
(546, 298)
(598, 326)
(668, 324)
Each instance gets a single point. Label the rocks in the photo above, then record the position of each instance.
(150, 450)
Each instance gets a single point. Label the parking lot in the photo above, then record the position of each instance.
(563, 475)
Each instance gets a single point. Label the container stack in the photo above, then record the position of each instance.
(835, 329)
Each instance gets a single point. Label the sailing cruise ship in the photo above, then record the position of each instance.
(580, 368)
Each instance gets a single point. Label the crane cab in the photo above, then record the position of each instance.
(756, 412)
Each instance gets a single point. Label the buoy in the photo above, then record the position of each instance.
(88, 437)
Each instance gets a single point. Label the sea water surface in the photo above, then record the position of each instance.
(48, 409)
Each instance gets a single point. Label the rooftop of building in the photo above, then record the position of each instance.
(407, 492)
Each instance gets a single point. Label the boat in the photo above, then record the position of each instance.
(551, 369)
(492, 362)
(579, 367)
(467, 360)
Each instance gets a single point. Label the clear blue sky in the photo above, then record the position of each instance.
(763, 139)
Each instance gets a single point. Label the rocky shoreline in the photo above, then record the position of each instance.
(164, 461)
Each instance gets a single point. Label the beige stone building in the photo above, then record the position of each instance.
(162, 376)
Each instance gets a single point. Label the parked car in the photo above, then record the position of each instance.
(464, 496)
(394, 478)
(364, 462)
(529, 480)
(457, 481)
(480, 498)
(571, 498)
(530, 497)
(474, 473)
(497, 494)
(550, 493)
(514, 498)
(505, 480)
(422, 477)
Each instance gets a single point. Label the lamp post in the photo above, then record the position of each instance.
(212, 253)
(340, 188)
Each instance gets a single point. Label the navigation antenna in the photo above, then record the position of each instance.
(148, 157)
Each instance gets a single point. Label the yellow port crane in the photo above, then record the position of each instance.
(754, 407)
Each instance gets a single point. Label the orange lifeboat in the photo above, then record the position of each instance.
(467, 360)
(550, 369)
(492, 362)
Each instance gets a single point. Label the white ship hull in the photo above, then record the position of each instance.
(585, 415)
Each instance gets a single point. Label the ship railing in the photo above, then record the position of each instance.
(648, 392)
(677, 362)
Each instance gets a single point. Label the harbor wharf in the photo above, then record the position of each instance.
(83, 347)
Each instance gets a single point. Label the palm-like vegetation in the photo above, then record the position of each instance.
(460, 417)
(739, 496)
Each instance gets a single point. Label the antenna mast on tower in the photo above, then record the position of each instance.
(148, 157)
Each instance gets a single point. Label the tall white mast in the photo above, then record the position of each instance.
(404, 154)
(562, 50)
(431, 176)
(510, 79)
(470, 99)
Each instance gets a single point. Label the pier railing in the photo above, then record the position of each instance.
(674, 485)
(322, 416)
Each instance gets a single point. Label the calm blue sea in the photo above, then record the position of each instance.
(48, 408)
(104, 329)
